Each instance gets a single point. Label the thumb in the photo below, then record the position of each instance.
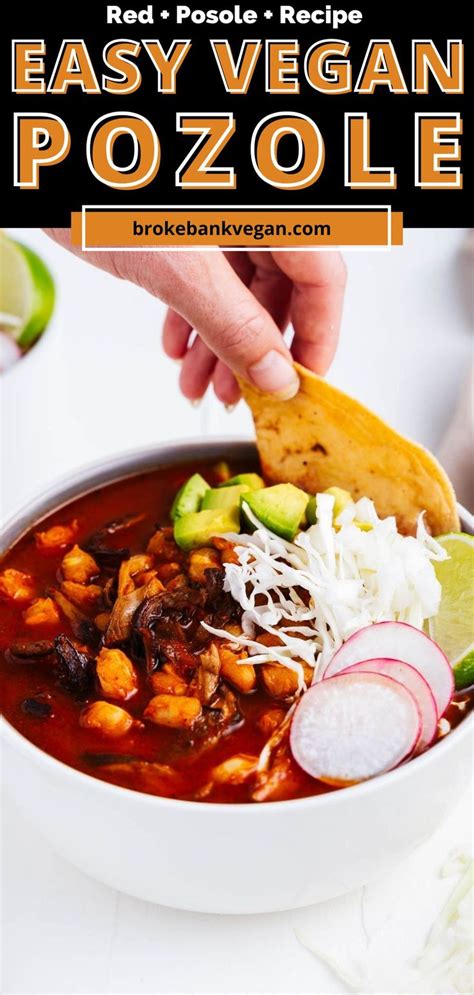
(235, 326)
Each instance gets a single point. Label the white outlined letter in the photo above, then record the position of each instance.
(433, 146)
(309, 162)
(380, 68)
(27, 61)
(358, 172)
(197, 171)
(426, 59)
(38, 140)
(236, 76)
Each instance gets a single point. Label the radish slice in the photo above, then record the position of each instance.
(353, 727)
(413, 682)
(399, 641)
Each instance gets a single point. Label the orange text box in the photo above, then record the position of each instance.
(187, 227)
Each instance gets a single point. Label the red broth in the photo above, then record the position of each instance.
(171, 762)
(129, 760)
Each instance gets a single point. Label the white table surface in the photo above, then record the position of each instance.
(97, 384)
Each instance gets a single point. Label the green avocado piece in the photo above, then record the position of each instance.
(198, 528)
(224, 497)
(280, 508)
(251, 480)
(311, 511)
(341, 499)
(189, 497)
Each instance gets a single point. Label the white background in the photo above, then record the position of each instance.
(98, 384)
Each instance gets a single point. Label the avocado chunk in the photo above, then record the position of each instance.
(198, 528)
(311, 511)
(341, 499)
(279, 508)
(251, 480)
(224, 497)
(189, 497)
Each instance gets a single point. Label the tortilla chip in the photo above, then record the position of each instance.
(323, 438)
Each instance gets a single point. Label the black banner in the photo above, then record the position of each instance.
(395, 129)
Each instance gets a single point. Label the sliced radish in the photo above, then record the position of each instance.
(416, 684)
(399, 641)
(353, 727)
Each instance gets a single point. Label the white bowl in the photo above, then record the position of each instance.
(225, 858)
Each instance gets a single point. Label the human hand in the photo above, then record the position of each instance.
(239, 304)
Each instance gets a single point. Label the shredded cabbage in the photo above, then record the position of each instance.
(448, 957)
(446, 963)
(334, 579)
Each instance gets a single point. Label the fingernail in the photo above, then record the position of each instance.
(230, 407)
(275, 375)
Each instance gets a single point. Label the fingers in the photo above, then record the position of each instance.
(242, 265)
(319, 280)
(196, 371)
(232, 322)
(272, 290)
(176, 335)
(225, 385)
(208, 294)
(176, 332)
(240, 325)
(271, 287)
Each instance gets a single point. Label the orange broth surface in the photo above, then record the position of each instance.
(60, 734)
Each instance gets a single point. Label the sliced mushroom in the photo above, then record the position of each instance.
(74, 669)
(208, 674)
(107, 556)
(82, 626)
(31, 651)
(121, 620)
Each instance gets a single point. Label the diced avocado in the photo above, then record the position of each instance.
(341, 499)
(311, 511)
(339, 496)
(198, 528)
(251, 480)
(224, 497)
(280, 508)
(189, 497)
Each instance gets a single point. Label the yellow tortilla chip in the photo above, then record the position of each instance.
(323, 438)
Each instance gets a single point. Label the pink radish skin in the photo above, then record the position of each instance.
(354, 726)
(399, 641)
(413, 682)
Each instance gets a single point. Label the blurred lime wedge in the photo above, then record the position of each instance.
(453, 626)
(26, 292)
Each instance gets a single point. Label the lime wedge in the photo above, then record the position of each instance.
(26, 292)
(453, 626)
